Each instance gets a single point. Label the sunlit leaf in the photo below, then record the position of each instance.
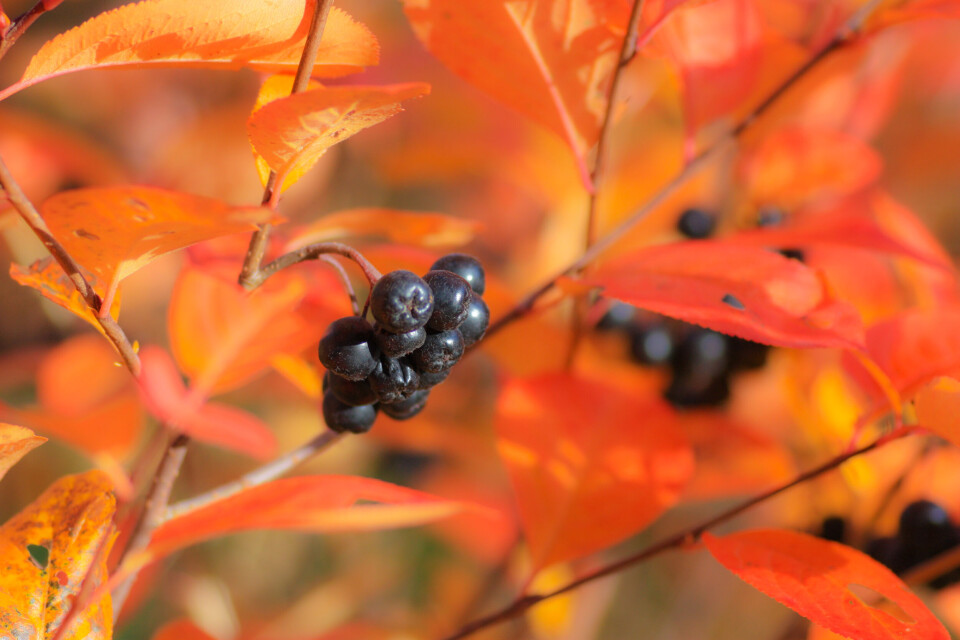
(168, 399)
(590, 463)
(938, 405)
(292, 133)
(113, 231)
(835, 586)
(15, 442)
(274, 88)
(551, 61)
(745, 291)
(394, 225)
(320, 504)
(222, 336)
(46, 276)
(265, 36)
(47, 550)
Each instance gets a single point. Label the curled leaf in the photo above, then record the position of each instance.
(15, 442)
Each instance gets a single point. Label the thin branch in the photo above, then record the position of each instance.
(258, 243)
(32, 217)
(154, 507)
(681, 539)
(261, 475)
(699, 161)
(345, 279)
(314, 252)
(19, 26)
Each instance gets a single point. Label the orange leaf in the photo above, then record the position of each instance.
(322, 504)
(47, 549)
(219, 34)
(748, 292)
(274, 88)
(401, 227)
(46, 276)
(551, 61)
(15, 442)
(591, 464)
(167, 398)
(938, 405)
(795, 166)
(292, 133)
(113, 231)
(222, 336)
(833, 585)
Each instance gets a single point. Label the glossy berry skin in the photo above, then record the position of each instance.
(394, 380)
(477, 321)
(620, 316)
(922, 520)
(653, 345)
(467, 267)
(696, 224)
(429, 380)
(341, 417)
(406, 409)
(401, 302)
(439, 352)
(348, 348)
(351, 392)
(397, 345)
(451, 300)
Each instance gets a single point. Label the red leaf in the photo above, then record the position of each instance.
(165, 395)
(744, 291)
(551, 61)
(814, 578)
(591, 464)
(323, 504)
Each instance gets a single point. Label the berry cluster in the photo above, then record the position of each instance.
(421, 328)
(700, 360)
(925, 532)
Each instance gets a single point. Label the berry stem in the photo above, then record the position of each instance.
(345, 279)
(314, 252)
(843, 35)
(676, 541)
(258, 243)
(20, 25)
(258, 476)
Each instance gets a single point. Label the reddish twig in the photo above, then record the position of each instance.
(345, 279)
(700, 160)
(258, 243)
(20, 25)
(313, 252)
(681, 539)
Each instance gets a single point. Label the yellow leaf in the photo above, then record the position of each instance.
(46, 276)
(274, 88)
(47, 550)
(15, 442)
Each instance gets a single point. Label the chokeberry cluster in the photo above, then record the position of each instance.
(925, 531)
(421, 328)
(701, 361)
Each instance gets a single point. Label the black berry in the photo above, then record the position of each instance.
(429, 380)
(348, 348)
(652, 345)
(620, 316)
(770, 216)
(351, 392)
(439, 352)
(406, 409)
(746, 354)
(467, 267)
(478, 318)
(341, 417)
(834, 528)
(393, 380)
(696, 223)
(396, 345)
(401, 302)
(451, 300)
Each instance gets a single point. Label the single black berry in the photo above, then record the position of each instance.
(834, 528)
(922, 520)
(348, 348)
(746, 354)
(652, 345)
(692, 390)
(696, 223)
(618, 317)
(439, 352)
(401, 301)
(429, 380)
(467, 267)
(341, 417)
(451, 300)
(702, 353)
(478, 318)
(351, 392)
(770, 216)
(406, 409)
(393, 380)
(396, 345)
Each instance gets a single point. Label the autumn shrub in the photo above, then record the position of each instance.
(714, 239)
